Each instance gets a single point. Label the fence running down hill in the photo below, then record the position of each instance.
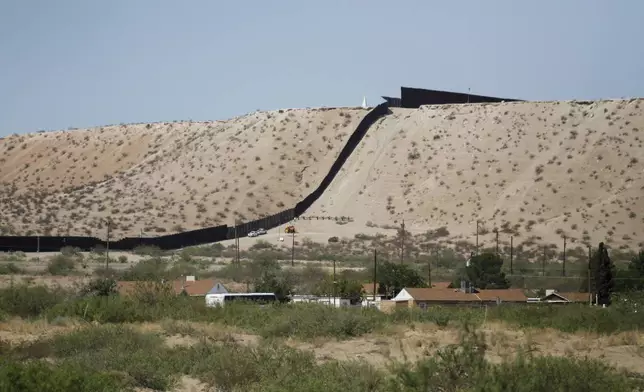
(199, 236)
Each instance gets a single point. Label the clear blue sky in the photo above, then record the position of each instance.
(83, 63)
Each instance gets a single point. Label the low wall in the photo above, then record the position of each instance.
(167, 242)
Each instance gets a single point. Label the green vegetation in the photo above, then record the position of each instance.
(462, 367)
(115, 357)
(604, 276)
(37, 376)
(156, 302)
(484, 272)
(394, 277)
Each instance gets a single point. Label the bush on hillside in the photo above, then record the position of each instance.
(61, 265)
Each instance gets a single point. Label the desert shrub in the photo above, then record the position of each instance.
(61, 265)
(100, 287)
(308, 321)
(70, 251)
(148, 250)
(141, 357)
(37, 376)
(154, 268)
(214, 250)
(29, 301)
(10, 268)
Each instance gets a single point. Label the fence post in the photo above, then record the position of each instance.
(563, 272)
(511, 251)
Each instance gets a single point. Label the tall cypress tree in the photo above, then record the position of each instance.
(605, 278)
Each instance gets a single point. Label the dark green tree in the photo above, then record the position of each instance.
(605, 276)
(484, 272)
(344, 288)
(631, 278)
(635, 272)
(394, 277)
(273, 281)
(637, 264)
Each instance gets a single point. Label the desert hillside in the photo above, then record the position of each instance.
(167, 177)
(537, 170)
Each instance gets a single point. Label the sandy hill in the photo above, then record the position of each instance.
(167, 177)
(538, 170)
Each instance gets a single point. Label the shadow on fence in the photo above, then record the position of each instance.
(200, 236)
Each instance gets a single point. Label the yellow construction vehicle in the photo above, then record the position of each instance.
(289, 229)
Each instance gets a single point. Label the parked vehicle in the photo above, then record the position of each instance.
(253, 234)
(260, 232)
(221, 299)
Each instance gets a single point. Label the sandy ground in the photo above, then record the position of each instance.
(537, 170)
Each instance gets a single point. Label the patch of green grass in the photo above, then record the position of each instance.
(39, 376)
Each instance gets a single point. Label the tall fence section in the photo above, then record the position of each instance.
(413, 98)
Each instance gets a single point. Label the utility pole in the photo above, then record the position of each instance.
(107, 250)
(402, 243)
(236, 242)
(334, 293)
(477, 236)
(543, 264)
(375, 272)
(293, 249)
(429, 273)
(497, 241)
(590, 293)
(237, 251)
(511, 253)
(38, 244)
(563, 271)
